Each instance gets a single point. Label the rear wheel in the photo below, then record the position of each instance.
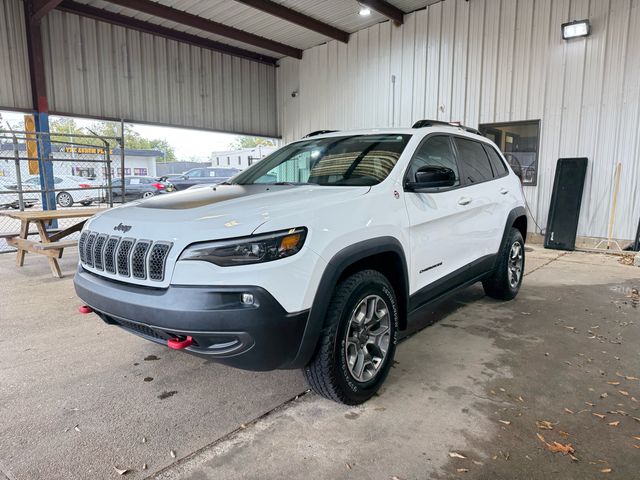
(64, 199)
(506, 280)
(358, 344)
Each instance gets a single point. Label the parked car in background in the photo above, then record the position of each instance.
(136, 187)
(11, 199)
(199, 176)
(69, 189)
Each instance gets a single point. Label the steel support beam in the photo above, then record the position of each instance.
(42, 7)
(101, 15)
(40, 104)
(179, 16)
(293, 16)
(386, 9)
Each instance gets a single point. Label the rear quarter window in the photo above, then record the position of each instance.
(473, 161)
(499, 168)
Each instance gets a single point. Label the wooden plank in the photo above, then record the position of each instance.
(24, 232)
(55, 245)
(67, 231)
(54, 214)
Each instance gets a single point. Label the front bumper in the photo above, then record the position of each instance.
(262, 336)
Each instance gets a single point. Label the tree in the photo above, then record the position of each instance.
(251, 142)
(132, 139)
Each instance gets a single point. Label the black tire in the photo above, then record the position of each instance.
(329, 373)
(502, 285)
(64, 199)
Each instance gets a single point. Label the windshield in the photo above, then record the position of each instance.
(357, 160)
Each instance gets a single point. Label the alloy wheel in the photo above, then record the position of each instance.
(516, 260)
(367, 338)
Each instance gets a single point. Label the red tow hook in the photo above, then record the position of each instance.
(85, 309)
(178, 344)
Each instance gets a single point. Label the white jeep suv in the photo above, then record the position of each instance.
(317, 256)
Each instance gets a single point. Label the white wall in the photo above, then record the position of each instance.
(487, 61)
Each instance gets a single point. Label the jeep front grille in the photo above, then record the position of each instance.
(124, 257)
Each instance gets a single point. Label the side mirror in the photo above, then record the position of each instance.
(432, 177)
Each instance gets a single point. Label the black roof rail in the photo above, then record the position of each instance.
(319, 132)
(433, 123)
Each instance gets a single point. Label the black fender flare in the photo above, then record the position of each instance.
(332, 273)
(514, 214)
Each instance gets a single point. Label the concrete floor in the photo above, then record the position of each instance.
(473, 384)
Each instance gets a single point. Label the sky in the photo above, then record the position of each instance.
(188, 144)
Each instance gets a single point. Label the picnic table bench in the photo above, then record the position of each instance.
(50, 244)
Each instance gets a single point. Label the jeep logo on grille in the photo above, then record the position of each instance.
(122, 228)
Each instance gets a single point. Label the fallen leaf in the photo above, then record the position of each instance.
(568, 411)
(564, 434)
(144, 439)
(520, 399)
(144, 466)
(637, 438)
(618, 374)
(634, 399)
(622, 392)
(573, 457)
(590, 404)
(462, 470)
(476, 462)
(456, 455)
(632, 378)
(570, 328)
(395, 478)
(544, 424)
(606, 470)
(541, 438)
(77, 428)
(348, 466)
(613, 383)
(557, 447)
(599, 415)
(636, 446)
(506, 422)
(121, 471)
(172, 453)
(636, 419)
(604, 395)
(614, 424)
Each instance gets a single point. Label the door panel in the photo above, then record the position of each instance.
(438, 223)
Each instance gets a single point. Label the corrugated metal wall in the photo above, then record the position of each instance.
(14, 65)
(489, 61)
(99, 70)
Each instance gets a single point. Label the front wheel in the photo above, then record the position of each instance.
(148, 194)
(505, 282)
(64, 199)
(358, 344)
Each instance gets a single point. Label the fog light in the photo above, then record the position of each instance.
(247, 298)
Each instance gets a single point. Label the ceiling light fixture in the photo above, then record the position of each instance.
(364, 10)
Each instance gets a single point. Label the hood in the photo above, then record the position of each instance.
(217, 212)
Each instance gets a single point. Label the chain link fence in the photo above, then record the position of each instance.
(57, 171)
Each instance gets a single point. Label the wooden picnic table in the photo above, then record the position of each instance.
(50, 244)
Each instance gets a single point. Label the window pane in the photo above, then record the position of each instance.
(435, 152)
(499, 168)
(473, 160)
(519, 144)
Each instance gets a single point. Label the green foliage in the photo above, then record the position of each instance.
(132, 139)
(251, 142)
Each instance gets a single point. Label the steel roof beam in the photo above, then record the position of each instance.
(151, 28)
(386, 9)
(190, 20)
(42, 7)
(300, 19)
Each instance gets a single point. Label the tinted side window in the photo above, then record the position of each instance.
(499, 168)
(473, 160)
(436, 151)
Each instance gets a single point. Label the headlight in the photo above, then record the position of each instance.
(248, 250)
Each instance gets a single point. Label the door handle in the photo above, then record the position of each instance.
(504, 191)
(464, 201)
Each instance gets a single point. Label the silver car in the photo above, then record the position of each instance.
(9, 199)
